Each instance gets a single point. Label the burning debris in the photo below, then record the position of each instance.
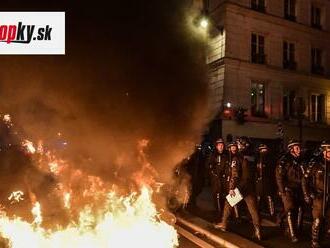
(75, 209)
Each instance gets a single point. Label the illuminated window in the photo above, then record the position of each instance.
(258, 99)
(317, 108)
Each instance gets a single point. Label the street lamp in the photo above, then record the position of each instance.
(204, 22)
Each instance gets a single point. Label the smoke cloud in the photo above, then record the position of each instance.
(132, 70)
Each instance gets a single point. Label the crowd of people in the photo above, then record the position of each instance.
(300, 184)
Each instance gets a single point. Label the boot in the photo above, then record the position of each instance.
(226, 214)
(315, 233)
(257, 232)
(300, 220)
(291, 230)
(222, 226)
(271, 206)
(236, 212)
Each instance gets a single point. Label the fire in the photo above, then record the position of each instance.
(16, 196)
(28, 145)
(7, 120)
(66, 198)
(99, 213)
(130, 221)
(36, 211)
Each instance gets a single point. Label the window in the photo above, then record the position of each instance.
(258, 99)
(288, 104)
(316, 63)
(317, 108)
(258, 49)
(290, 10)
(316, 17)
(289, 56)
(258, 5)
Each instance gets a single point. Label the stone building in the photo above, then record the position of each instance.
(272, 58)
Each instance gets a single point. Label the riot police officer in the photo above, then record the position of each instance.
(316, 189)
(217, 165)
(239, 175)
(289, 172)
(263, 178)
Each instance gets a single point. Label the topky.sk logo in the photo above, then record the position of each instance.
(32, 32)
(21, 33)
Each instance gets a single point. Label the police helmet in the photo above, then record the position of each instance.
(262, 146)
(219, 141)
(231, 144)
(325, 145)
(293, 143)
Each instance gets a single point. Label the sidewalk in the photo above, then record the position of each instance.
(273, 236)
(205, 228)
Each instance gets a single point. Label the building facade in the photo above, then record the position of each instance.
(272, 59)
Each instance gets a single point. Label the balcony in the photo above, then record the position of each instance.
(317, 69)
(289, 65)
(258, 58)
(290, 17)
(258, 7)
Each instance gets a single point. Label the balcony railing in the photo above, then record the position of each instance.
(290, 65)
(258, 58)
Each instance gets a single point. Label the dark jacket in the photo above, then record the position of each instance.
(313, 181)
(264, 174)
(246, 182)
(289, 173)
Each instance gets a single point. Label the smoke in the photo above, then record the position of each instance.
(132, 70)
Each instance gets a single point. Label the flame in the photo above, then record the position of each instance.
(67, 197)
(36, 211)
(100, 214)
(7, 120)
(16, 196)
(130, 221)
(28, 145)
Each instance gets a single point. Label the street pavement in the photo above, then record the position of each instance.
(186, 243)
(273, 234)
(188, 238)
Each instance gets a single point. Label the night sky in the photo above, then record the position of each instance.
(132, 70)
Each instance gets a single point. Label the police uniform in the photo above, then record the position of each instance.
(263, 177)
(289, 173)
(239, 175)
(313, 188)
(217, 166)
